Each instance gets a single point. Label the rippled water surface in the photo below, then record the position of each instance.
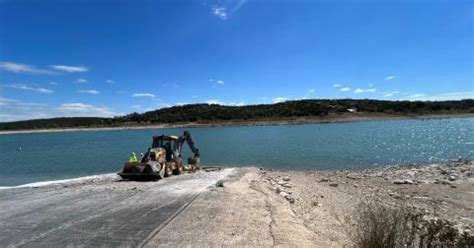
(60, 155)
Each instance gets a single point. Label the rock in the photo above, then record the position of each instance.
(283, 193)
(286, 178)
(286, 185)
(290, 199)
(333, 184)
(276, 189)
(454, 186)
(220, 184)
(352, 177)
(408, 181)
(452, 177)
(398, 182)
(444, 182)
(324, 179)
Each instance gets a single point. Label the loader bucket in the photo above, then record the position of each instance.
(150, 171)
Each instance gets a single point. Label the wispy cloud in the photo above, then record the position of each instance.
(442, 96)
(214, 101)
(29, 88)
(109, 81)
(69, 69)
(81, 81)
(53, 83)
(23, 68)
(279, 99)
(390, 93)
(345, 89)
(142, 94)
(389, 78)
(359, 91)
(418, 95)
(336, 85)
(219, 82)
(93, 92)
(220, 12)
(311, 91)
(82, 109)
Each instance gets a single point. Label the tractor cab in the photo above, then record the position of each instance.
(167, 143)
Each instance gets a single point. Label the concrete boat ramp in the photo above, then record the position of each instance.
(97, 211)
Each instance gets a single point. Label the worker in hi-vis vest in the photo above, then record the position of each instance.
(133, 158)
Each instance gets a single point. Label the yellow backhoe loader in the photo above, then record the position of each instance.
(162, 159)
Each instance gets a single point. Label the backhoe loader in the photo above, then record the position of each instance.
(162, 159)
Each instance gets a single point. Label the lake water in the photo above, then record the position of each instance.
(61, 155)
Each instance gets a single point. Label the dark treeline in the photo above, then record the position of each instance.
(205, 113)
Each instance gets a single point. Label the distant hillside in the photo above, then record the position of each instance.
(205, 113)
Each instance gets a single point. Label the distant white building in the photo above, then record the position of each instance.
(352, 110)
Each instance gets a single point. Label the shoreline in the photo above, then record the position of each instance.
(344, 118)
(246, 206)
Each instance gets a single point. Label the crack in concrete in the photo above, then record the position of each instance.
(268, 206)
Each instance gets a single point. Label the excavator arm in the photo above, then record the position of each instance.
(187, 138)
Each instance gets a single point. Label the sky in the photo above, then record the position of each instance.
(109, 58)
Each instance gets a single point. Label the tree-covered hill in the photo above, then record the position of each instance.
(213, 113)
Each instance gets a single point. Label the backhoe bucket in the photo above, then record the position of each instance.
(150, 171)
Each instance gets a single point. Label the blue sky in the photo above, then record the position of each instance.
(106, 58)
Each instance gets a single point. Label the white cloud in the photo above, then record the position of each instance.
(14, 110)
(110, 81)
(214, 101)
(23, 68)
(345, 89)
(86, 110)
(359, 91)
(279, 99)
(390, 93)
(81, 81)
(219, 11)
(69, 69)
(28, 88)
(443, 96)
(418, 95)
(143, 95)
(370, 85)
(219, 82)
(337, 85)
(93, 92)
(311, 91)
(182, 103)
(389, 78)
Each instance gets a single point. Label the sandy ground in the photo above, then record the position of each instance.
(237, 207)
